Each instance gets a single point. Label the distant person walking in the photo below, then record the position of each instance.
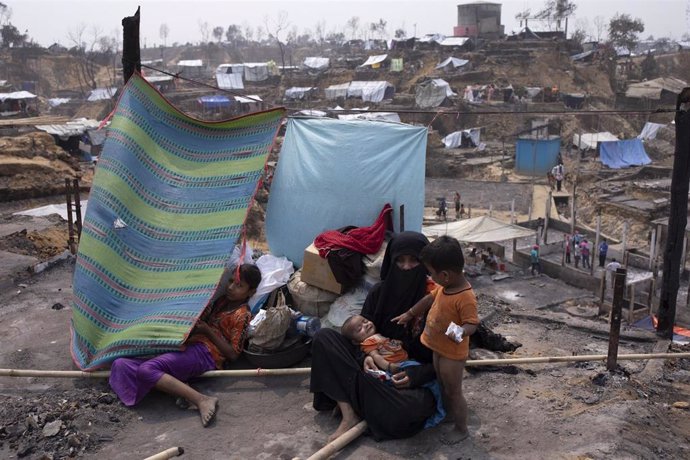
(567, 250)
(577, 251)
(584, 250)
(456, 200)
(603, 250)
(612, 267)
(534, 259)
(558, 174)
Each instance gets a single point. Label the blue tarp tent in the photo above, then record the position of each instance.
(334, 173)
(214, 102)
(536, 157)
(621, 154)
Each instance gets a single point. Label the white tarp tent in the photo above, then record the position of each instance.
(69, 129)
(190, 63)
(590, 141)
(377, 116)
(55, 101)
(454, 41)
(454, 140)
(432, 93)
(256, 71)
(317, 63)
(483, 229)
(312, 113)
(59, 209)
(373, 91)
(452, 63)
(17, 95)
(229, 81)
(248, 99)
(298, 92)
(649, 130)
(430, 38)
(101, 94)
(336, 91)
(373, 60)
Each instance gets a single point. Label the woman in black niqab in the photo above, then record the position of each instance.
(397, 292)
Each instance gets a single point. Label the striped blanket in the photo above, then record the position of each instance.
(168, 203)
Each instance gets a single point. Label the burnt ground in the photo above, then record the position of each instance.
(568, 410)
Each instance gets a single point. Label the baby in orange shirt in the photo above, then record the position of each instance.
(385, 352)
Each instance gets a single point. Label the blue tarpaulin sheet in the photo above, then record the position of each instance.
(621, 154)
(213, 102)
(334, 173)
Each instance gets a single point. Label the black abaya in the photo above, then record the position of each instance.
(337, 375)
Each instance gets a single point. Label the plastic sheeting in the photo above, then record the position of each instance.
(483, 229)
(454, 140)
(590, 141)
(621, 154)
(334, 173)
(256, 71)
(380, 116)
(397, 65)
(649, 130)
(373, 91)
(59, 209)
(317, 63)
(17, 95)
(432, 93)
(336, 91)
(101, 94)
(298, 92)
(214, 102)
(373, 60)
(452, 62)
(229, 81)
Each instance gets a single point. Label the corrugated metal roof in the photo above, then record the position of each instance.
(69, 129)
(17, 95)
(651, 89)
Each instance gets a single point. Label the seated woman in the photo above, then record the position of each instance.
(392, 410)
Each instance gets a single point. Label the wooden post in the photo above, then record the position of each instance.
(491, 209)
(131, 53)
(652, 249)
(547, 217)
(70, 222)
(631, 305)
(565, 245)
(529, 213)
(602, 293)
(685, 254)
(678, 218)
(402, 217)
(573, 209)
(512, 211)
(616, 314)
(595, 249)
(625, 243)
(77, 205)
(650, 295)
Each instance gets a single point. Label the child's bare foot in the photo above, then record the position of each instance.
(183, 403)
(454, 436)
(345, 424)
(207, 409)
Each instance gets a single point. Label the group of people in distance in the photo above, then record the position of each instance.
(398, 365)
(578, 245)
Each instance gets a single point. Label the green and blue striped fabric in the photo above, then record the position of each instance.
(169, 200)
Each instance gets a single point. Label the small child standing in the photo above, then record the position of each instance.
(218, 337)
(386, 353)
(452, 302)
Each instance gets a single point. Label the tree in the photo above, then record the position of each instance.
(649, 68)
(204, 30)
(599, 27)
(234, 34)
(11, 36)
(623, 30)
(164, 31)
(400, 33)
(320, 32)
(555, 11)
(353, 25)
(335, 38)
(276, 28)
(378, 28)
(218, 33)
(248, 31)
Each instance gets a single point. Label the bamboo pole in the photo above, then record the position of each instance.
(307, 370)
(166, 454)
(340, 442)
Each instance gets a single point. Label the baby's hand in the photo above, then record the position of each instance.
(369, 364)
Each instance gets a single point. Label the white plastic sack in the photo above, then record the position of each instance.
(309, 299)
(347, 305)
(275, 272)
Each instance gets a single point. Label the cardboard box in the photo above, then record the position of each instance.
(315, 271)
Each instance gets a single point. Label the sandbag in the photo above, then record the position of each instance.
(308, 299)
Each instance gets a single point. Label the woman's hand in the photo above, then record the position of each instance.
(369, 364)
(401, 380)
(202, 328)
(403, 319)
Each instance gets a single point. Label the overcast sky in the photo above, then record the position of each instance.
(49, 21)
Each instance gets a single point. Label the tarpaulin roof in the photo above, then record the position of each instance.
(432, 93)
(379, 116)
(55, 101)
(229, 81)
(652, 89)
(336, 91)
(69, 129)
(649, 130)
(373, 91)
(101, 94)
(428, 38)
(191, 63)
(455, 62)
(581, 56)
(589, 141)
(374, 60)
(215, 101)
(248, 99)
(17, 95)
(317, 63)
(157, 78)
(483, 229)
(454, 140)
(298, 92)
(621, 154)
(312, 113)
(454, 41)
(230, 68)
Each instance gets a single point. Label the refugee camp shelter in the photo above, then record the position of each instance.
(650, 130)
(101, 94)
(456, 42)
(464, 138)
(374, 116)
(249, 103)
(375, 62)
(479, 20)
(191, 67)
(536, 156)
(590, 141)
(372, 91)
(15, 102)
(257, 71)
(432, 93)
(316, 63)
(482, 229)
(161, 82)
(300, 92)
(217, 103)
(622, 154)
(69, 135)
(660, 91)
(452, 64)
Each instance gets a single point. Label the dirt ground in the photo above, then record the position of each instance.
(548, 411)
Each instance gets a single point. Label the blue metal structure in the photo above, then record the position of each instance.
(536, 157)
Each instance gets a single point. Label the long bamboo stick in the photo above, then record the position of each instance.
(167, 454)
(339, 442)
(307, 370)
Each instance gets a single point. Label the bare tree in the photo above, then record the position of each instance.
(84, 45)
(600, 26)
(204, 30)
(164, 31)
(379, 28)
(320, 32)
(5, 14)
(276, 29)
(353, 25)
(260, 33)
(218, 33)
(248, 31)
